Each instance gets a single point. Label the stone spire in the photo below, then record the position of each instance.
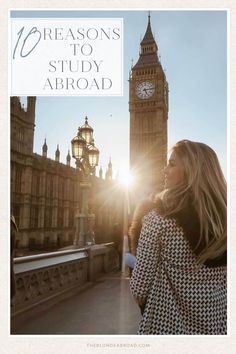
(57, 154)
(45, 148)
(68, 158)
(31, 102)
(109, 171)
(148, 49)
(148, 37)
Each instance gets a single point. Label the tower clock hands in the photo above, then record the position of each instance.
(145, 89)
(148, 89)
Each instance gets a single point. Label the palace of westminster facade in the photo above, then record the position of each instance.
(45, 193)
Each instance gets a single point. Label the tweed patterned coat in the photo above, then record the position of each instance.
(182, 297)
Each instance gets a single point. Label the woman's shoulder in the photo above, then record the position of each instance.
(154, 224)
(153, 220)
(155, 216)
(152, 215)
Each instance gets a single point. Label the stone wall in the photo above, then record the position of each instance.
(42, 277)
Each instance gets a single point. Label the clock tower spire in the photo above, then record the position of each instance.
(148, 106)
(148, 44)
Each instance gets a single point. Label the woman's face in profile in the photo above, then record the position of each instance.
(173, 171)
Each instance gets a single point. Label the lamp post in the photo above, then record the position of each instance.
(126, 217)
(86, 155)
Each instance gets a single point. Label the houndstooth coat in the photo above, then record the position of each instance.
(182, 297)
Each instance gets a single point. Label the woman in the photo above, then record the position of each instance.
(180, 271)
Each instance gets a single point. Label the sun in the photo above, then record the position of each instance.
(126, 178)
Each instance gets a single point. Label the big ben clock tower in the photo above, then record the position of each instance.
(148, 106)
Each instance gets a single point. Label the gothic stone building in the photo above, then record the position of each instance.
(148, 106)
(45, 193)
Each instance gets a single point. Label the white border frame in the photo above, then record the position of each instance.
(220, 344)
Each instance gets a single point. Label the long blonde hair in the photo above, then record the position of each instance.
(203, 186)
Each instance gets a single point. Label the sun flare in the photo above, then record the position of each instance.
(126, 178)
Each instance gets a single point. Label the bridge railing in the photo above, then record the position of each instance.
(42, 277)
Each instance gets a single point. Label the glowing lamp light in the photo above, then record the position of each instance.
(78, 145)
(93, 155)
(86, 131)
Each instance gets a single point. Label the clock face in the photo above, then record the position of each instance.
(145, 89)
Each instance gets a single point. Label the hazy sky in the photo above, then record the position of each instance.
(193, 49)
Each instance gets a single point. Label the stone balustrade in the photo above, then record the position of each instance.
(42, 277)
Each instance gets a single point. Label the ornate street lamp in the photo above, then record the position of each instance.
(93, 155)
(78, 145)
(86, 132)
(86, 155)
